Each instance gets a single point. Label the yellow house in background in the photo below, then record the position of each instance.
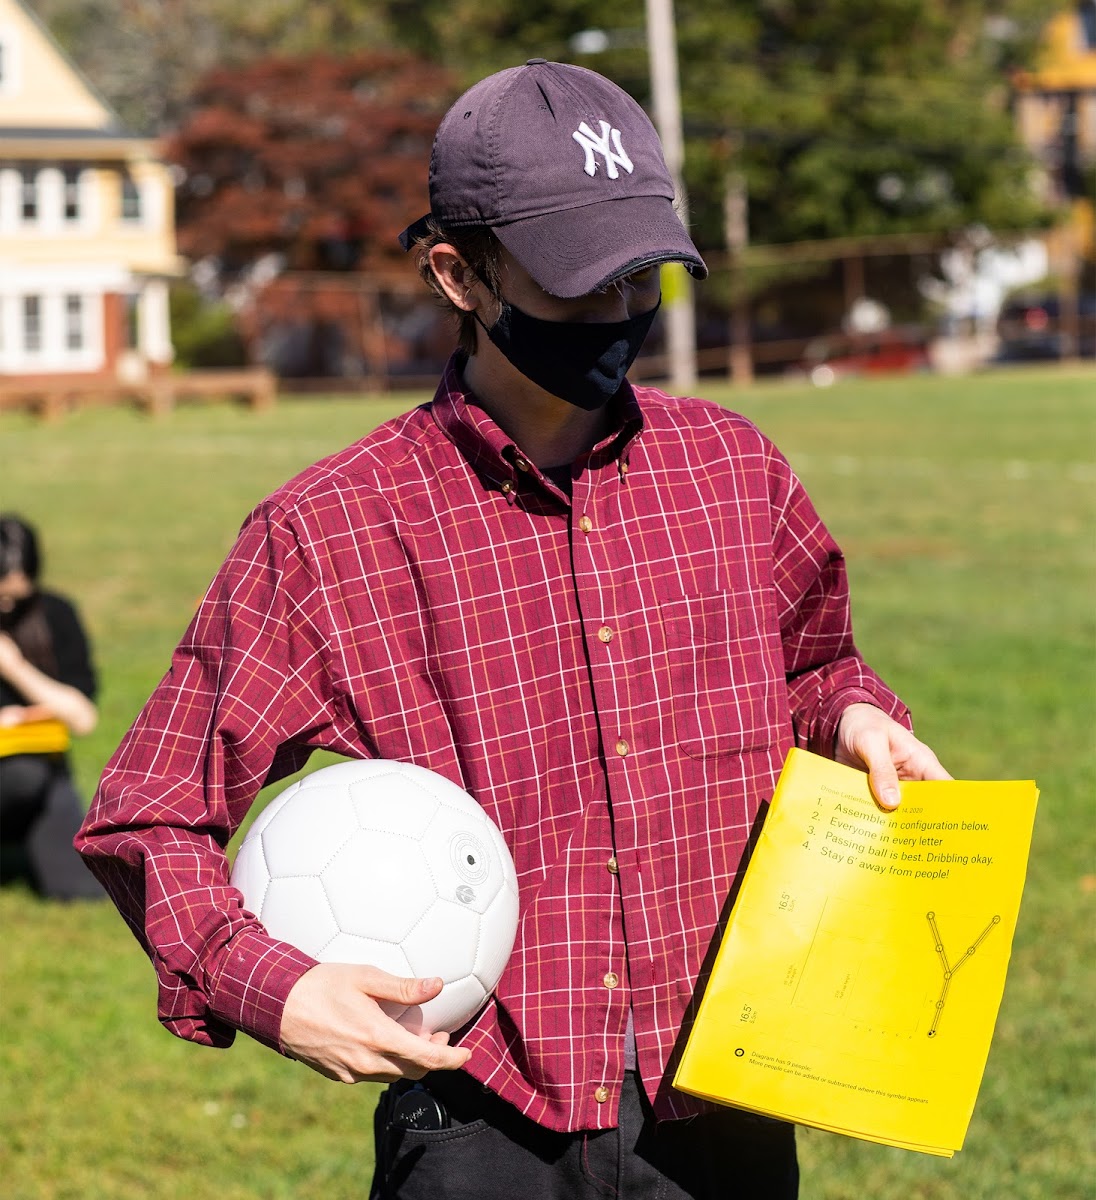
(1056, 115)
(87, 234)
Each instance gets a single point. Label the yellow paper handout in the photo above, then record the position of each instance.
(859, 978)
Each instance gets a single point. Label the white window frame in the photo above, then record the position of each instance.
(75, 310)
(72, 188)
(30, 187)
(137, 194)
(53, 284)
(33, 343)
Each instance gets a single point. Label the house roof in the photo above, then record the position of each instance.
(112, 123)
(39, 142)
(1067, 61)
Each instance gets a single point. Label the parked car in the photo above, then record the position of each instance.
(1030, 328)
(893, 352)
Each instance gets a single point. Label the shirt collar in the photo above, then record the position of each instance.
(495, 455)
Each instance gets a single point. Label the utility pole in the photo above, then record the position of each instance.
(736, 226)
(666, 94)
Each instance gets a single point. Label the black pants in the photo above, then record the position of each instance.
(489, 1151)
(40, 813)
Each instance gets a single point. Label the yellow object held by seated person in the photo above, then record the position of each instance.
(48, 736)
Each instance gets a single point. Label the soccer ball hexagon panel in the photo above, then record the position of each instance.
(389, 864)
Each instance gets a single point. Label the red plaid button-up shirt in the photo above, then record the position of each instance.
(615, 676)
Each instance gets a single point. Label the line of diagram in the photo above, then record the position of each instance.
(949, 970)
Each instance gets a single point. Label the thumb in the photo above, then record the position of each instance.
(883, 778)
(383, 986)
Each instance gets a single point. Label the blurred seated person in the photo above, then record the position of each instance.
(47, 692)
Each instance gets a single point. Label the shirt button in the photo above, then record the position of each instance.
(585, 524)
(507, 487)
(611, 979)
(622, 747)
(612, 866)
(521, 464)
(605, 634)
(601, 1094)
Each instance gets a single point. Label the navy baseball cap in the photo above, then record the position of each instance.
(568, 171)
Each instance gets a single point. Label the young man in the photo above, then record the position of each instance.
(605, 612)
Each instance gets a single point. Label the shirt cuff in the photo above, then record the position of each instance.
(824, 741)
(254, 983)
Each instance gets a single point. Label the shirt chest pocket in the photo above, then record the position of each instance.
(722, 678)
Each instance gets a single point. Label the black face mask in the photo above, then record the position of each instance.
(582, 362)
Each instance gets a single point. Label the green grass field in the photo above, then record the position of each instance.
(967, 511)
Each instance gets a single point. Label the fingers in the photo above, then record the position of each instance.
(888, 751)
(334, 1022)
(421, 1054)
(438, 1056)
(387, 1068)
(928, 766)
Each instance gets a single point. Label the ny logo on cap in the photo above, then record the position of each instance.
(593, 144)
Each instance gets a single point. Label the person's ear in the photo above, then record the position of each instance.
(455, 277)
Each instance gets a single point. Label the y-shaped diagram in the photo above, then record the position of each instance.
(949, 971)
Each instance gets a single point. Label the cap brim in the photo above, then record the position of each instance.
(414, 231)
(579, 250)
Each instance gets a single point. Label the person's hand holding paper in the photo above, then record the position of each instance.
(869, 740)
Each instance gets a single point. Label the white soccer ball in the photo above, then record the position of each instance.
(392, 865)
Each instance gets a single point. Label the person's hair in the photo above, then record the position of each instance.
(480, 249)
(26, 625)
(18, 547)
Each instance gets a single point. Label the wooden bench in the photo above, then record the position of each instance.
(52, 396)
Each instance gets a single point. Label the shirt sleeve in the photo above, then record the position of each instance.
(245, 698)
(824, 670)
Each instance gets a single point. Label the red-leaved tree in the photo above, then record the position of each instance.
(320, 159)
